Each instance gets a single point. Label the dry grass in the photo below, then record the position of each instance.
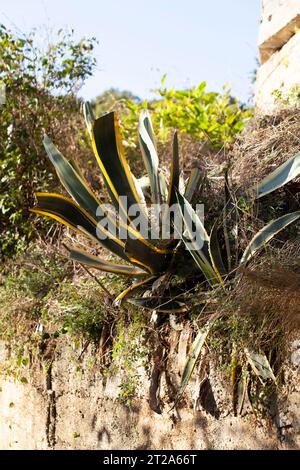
(265, 144)
(266, 301)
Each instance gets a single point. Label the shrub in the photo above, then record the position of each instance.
(207, 116)
(40, 88)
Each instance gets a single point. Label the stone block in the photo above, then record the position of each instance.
(280, 72)
(280, 20)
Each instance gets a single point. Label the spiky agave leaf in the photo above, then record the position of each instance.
(267, 233)
(98, 263)
(193, 184)
(279, 177)
(201, 255)
(174, 173)
(131, 289)
(69, 213)
(71, 179)
(109, 152)
(149, 154)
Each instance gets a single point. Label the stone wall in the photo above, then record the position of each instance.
(71, 404)
(279, 49)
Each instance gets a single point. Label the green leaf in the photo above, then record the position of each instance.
(109, 152)
(131, 289)
(67, 212)
(278, 178)
(98, 263)
(201, 256)
(71, 179)
(174, 173)
(88, 116)
(149, 154)
(267, 233)
(193, 184)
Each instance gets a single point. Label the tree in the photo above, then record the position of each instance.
(41, 86)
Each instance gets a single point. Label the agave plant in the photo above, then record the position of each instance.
(147, 259)
(150, 262)
(144, 259)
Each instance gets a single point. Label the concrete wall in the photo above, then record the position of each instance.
(72, 405)
(279, 49)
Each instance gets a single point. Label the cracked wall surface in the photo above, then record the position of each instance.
(72, 405)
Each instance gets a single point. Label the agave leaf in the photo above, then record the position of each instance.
(279, 177)
(215, 251)
(193, 184)
(131, 289)
(193, 356)
(98, 263)
(149, 154)
(76, 168)
(67, 212)
(147, 254)
(267, 233)
(71, 179)
(159, 304)
(201, 256)
(139, 189)
(77, 187)
(260, 365)
(163, 187)
(174, 173)
(108, 149)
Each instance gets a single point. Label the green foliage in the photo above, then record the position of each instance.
(77, 310)
(40, 92)
(36, 275)
(129, 353)
(288, 98)
(208, 116)
(40, 303)
(111, 99)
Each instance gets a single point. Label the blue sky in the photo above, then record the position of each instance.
(140, 40)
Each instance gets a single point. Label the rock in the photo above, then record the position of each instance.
(295, 344)
(283, 420)
(295, 358)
